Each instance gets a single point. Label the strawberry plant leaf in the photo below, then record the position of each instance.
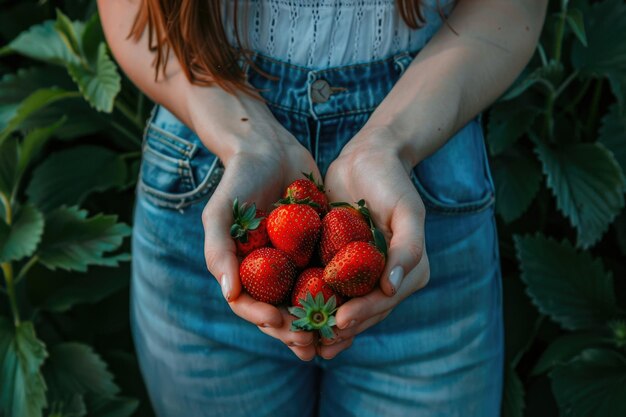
(111, 407)
(547, 76)
(9, 155)
(92, 38)
(44, 43)
(588, 185)
(517, 178)
(612, 134)
(34, 141)
(507, 123)
(520, 319)
(100, 84)
(74, 368)
(577, 24)
(591, 385)
(569, 286)
(14, 88)
(564, 348)
(21, 356)
(34, 102)
(20, 239)
(93, 168)
(605, 25)
(72, 241)
(513, 396)
(67, 32)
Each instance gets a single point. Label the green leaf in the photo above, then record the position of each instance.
(613, 134)
(34, 142)
(67, 32)
(592, 385)
(98, 284)
(588, 185)
(507, 123)
(9, 155)
(547, 76)
(71, 407)
(605, 25)
(72, 241)
(618, 85)
(92, 38)
(112, 407)
(577, 24)
(565, 348)
(569, 286)
(513, 398)
(69, 176)
(44, 43)
(30, 105)
(23, 390)
(82, 119)
(21, 238)
(98, 85)
(74, 368)
(517, 178)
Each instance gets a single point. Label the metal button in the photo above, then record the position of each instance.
(320, 91)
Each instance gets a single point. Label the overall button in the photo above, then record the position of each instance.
(320, 91)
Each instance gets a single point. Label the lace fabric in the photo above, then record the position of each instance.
(325, 33)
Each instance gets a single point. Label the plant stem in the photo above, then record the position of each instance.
(560, 30)
(27, 266)
(550, 116)
(130, 115)
(7, 269)
(565, 84)
(125, 132)
(593, 107)
(7, 208)
(581, 93)
(131, 155)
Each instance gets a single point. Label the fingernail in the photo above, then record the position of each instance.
(226, 289)
(266, 325)
(352, 323)
(395, 277)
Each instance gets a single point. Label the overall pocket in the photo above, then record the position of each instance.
(457, 178)
(177, 170)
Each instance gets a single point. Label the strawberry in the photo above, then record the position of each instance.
(267, 274)
(314, 303)
(295, 229)
(355, 269)
(342, 225)
(310, 281)
(249, 229)
(307, 190)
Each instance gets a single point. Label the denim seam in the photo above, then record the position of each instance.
(189, 149)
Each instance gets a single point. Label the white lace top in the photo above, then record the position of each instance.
(325, 33)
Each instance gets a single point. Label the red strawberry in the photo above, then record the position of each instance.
(341, 226)
(307, 190)
(267, 274)
(249, 229)
(310, 281)
(295, 229)
(314, 303)
(355, 269)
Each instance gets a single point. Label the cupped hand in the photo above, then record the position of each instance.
(258, 172)
(370, 168)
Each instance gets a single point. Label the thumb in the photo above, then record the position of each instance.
(219, 248)
(406, 247)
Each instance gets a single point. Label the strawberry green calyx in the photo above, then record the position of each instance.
(291, 199)
(311, 178)
(315, 315)
(245, 220)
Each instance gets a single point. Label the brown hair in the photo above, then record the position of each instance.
(193, 30)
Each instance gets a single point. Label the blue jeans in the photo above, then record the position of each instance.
(439, 353)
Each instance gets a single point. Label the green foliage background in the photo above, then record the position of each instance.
(70, 139)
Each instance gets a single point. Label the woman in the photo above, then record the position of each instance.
(355, 92)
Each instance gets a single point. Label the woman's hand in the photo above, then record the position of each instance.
(266, 159)
(370, 168)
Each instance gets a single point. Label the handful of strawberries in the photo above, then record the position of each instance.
(310, 252)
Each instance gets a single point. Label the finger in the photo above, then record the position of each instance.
(406, 246)
(261, 314)
(304, 353)
(329, 352)
(286, 335)
(359, 309)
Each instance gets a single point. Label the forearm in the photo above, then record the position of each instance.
(222, 121)
(455, 77)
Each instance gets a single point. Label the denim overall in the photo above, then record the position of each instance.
(438, 354)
